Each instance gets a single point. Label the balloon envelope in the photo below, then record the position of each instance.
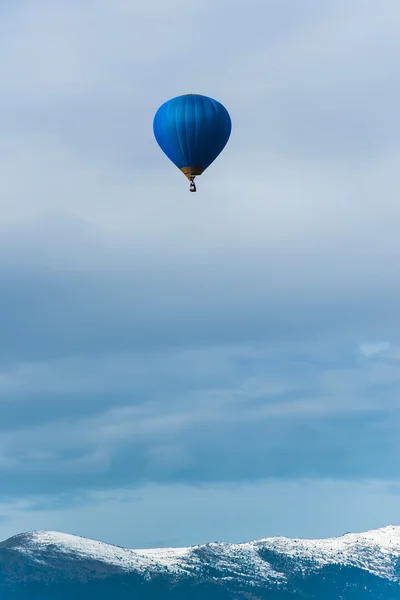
(192, 130)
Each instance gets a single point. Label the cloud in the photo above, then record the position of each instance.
(203, 415)
(370, 349)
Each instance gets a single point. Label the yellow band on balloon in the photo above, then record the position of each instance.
(192, 171)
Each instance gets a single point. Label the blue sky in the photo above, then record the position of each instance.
(177, 369)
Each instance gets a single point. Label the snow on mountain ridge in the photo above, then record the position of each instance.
(375, 551)
(36, 542)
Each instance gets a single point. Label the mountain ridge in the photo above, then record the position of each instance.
(274, 567)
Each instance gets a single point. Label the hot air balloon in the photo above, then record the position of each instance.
(192, 130)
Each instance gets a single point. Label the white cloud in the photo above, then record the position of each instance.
(370, 349)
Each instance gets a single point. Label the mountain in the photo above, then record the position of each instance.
(48, 565)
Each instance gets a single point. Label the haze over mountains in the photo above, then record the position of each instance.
(46, 564)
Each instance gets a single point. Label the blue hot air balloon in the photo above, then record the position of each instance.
(192, 130)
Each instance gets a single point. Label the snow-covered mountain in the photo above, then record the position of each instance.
(46, 564)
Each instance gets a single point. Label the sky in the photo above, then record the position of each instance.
(177, 368)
